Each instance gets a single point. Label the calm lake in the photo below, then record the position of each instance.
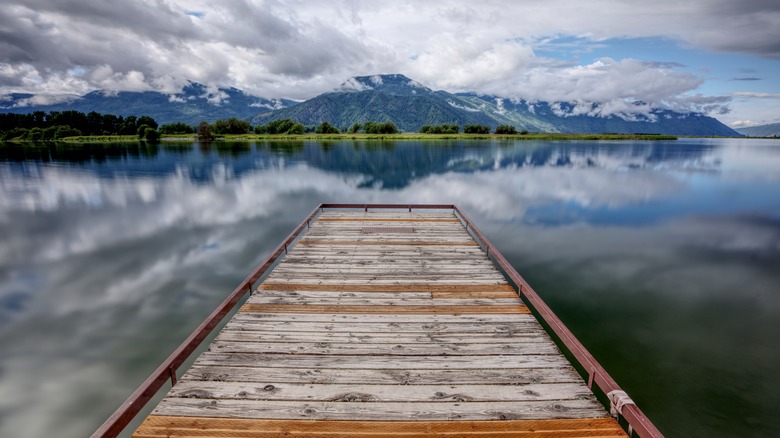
(662, 257)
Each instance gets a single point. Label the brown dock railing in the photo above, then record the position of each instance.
(597, 376)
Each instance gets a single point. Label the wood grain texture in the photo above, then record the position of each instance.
(389, 310)
(389, 219)
(386, 242)
(412, 287)
(377, 362)
(265, 337)
(388, 376)
(377, 393)
(396, 320)
(382, 325)
(163, 426)
(398, 301)
(385, 295)
(340, 410)
(386, 349)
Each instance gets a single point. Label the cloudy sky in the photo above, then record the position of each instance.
(721, 57)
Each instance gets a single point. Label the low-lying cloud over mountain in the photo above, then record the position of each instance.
(410, 104)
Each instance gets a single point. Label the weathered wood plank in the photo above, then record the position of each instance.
(234, 335)
(395, 229)
(397, 278)
(389, 281)
(410, 376)
(382, 362)
(306, 241)
(411, 287)
(398, 320)
(394, 310)
(445, 214)
(402, 233)
(397, 349)
(359, 272)
(417, 235)
(173, 426)
(379, 411)
(386, 295)
(400, 212)
(388, 219)
(379, 393)
(327, 330)
(446, 252)
(351, 264)
(331, 294)
(449, 295)
(339, 301)
(409, 233)
(259, 322)
(395, 270)
(348, 255)
(354, 255)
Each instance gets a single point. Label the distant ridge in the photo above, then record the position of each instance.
(771, 130)
(410, 105)
(194, 104)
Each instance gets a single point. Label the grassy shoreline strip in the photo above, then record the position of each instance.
(359, 136)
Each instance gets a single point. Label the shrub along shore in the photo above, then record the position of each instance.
(363, 136)
(76, 127)
(347, 136)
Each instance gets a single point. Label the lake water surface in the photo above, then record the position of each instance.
(662, 257)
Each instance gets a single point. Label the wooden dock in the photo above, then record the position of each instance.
(382, 324)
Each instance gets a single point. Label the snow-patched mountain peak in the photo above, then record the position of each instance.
(387, 83)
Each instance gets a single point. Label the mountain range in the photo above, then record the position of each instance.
(193, 104)
(391, 97)
(771, 130)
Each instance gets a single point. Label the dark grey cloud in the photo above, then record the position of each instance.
(26, 37)
(732, 8)
(250, 26)
(751, 26)
(154, 18)
(746, 79)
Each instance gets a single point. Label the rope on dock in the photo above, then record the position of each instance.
(618, 399)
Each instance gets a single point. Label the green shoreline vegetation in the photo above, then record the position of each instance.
(77, 127)
(363, 136)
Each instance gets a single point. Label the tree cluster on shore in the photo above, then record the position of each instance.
(41, 126)
(206, 131)
(440, 129)
(476, 129)
(55, 125)
(287, 126)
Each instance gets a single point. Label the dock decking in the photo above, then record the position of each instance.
(382, 324)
